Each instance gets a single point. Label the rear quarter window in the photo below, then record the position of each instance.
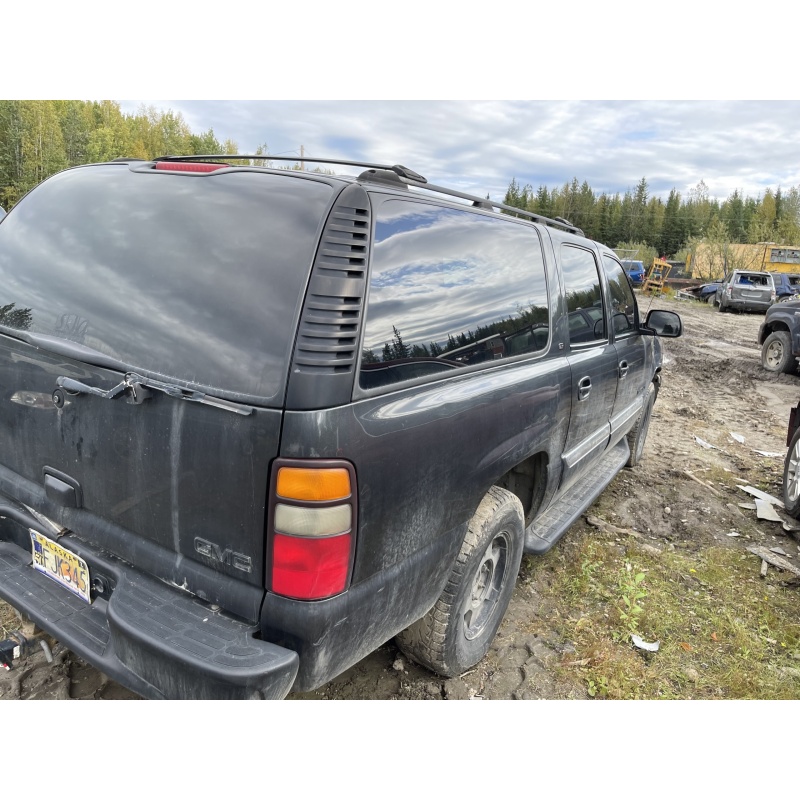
(450, 289)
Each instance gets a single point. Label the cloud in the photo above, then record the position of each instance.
(478, 147)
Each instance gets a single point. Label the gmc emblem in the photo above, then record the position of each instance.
(226, 556)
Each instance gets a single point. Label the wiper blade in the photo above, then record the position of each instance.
(136, 389)
(64, 347)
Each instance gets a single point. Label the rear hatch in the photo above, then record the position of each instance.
(753, 287)
(160, 308)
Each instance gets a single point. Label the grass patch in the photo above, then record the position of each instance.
(724, 632)
(8, 620)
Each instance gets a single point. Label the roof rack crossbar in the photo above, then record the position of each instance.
(399, 169)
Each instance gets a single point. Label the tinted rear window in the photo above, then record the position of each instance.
(450, 289)
(193, 277)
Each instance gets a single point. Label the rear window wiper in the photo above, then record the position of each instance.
(64, 347)
(136, 389)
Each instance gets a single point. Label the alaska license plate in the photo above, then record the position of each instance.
(61, 565)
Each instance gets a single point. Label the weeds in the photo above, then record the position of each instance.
(631, 592)
(723, 631)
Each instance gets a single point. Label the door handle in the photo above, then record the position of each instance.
(584, 387)
(623, 369)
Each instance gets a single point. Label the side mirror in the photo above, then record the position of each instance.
(663, 323)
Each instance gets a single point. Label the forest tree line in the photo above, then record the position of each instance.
(40, 137)
(670, 229)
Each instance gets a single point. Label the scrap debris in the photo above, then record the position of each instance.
(705, 444)
(704, 484)
(737, 437)
(762, 495)
(768, 557)
(651, 647)
(765, 510)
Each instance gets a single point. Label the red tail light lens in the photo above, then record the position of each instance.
(312, 516)
(307, 568)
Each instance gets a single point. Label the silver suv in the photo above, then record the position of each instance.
(746, 290)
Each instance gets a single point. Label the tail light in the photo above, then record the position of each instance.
(312, 519)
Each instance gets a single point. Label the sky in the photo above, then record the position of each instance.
(469, 95)
(480, 146)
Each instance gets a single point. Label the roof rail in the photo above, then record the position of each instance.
(482, 202)
(408, 175)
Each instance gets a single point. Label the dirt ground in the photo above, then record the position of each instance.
(713, 386)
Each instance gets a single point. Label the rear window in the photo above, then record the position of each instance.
(754, 279)
(198, 278)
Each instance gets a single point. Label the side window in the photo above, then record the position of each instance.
(623, 304)
(584, 295)
(450, 289)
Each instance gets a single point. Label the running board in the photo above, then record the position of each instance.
(549, 527)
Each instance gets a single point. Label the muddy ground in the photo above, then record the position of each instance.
(713, 386)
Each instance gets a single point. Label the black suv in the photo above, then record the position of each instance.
(256, 422)
(779, 337)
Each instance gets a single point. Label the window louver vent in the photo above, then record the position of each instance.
(328, 335)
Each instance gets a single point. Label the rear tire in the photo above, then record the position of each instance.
(638, 433)
(457, 632)
(791, 477)
(776, 353)
(711, 300)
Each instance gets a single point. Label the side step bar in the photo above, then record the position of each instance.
(549, 527)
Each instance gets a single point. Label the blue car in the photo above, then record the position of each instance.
(635, 271)
(786, 286)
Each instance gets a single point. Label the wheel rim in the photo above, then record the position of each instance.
(792, 478)
(486, 586)
(774, 354)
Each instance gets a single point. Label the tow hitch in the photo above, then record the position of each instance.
(20, 643)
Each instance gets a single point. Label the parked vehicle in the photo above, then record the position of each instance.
(706, 293)
(635, 271)
(256, 422)
(779, 337)
(786, 285)
(745, 290)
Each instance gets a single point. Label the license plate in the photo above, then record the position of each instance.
(61, 565)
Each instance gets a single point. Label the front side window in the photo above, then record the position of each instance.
(584, 296)
(450, 289)
(623, 303)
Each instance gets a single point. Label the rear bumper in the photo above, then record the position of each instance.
(158, 641)
(748, 304)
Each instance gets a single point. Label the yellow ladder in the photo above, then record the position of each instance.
(656, 276)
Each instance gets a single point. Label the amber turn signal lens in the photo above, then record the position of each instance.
(313, 484)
